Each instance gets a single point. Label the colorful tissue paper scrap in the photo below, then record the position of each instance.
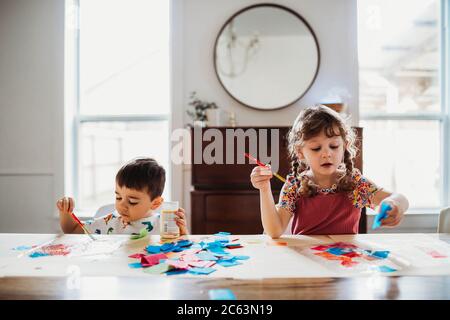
(201, 270)
(347, 252)
(227, 263)
(435, 254)
(38, 254)
(172, 258)
(221, 294)
(153, 249)
(51, 250)
(135, 265)
(222, 233)
(158, 268)
(142, 234)
(276, 243)
(385, 269)
(22, 248)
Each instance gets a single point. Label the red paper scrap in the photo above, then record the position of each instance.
(151, 260)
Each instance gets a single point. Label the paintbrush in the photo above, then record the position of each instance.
(259, 163)
(82, 226)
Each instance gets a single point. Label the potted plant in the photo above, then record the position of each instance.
(198, 110)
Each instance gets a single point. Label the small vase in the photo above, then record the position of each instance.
(200, 123)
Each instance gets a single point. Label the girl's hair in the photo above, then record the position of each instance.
(310, 123)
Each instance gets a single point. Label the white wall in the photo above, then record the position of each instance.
(31, 118)
(333, 22)
(32, 93)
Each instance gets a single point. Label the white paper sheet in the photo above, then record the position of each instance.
(110, 258)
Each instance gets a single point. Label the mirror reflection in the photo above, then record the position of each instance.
(266, 56)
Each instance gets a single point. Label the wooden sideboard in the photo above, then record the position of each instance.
(223, 198)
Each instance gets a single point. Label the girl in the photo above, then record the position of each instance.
(324, 193)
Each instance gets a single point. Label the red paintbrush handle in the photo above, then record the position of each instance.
(76, 219)
(248, 155)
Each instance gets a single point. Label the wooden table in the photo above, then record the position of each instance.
(175, 287)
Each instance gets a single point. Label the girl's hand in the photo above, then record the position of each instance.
(394, 216)
(260, 177)
(181, 221)
(65, 205)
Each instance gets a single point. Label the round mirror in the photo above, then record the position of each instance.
(266, 56)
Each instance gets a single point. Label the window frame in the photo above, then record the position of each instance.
(443, 116)
(78, 119)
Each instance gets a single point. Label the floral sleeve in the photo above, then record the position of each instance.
(289, 193)
(364, 191)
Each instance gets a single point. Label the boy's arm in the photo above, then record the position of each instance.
(68, 224)
(397, 201)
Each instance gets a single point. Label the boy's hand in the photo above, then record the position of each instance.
(394, 216)
(260, 177)
(181, 221)
(65, 205)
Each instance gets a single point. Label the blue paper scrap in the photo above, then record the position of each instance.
(386, 269)
(201, 270)
(381, 215)
(242, 257)
(221, 294)
(228, 263)
(337, 251)
(22, 248)
(380, 254)
(153, 249)
(206, 256)
(38, 254)
(135, 265)
(222, 233)
(176, 271)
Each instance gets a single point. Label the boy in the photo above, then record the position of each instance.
(139, 186)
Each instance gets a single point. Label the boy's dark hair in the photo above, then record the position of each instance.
(143, 174)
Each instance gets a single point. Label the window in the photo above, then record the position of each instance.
(402, 71)
(122, 92)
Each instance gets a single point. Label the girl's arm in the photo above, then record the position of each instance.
(399, 205)
(274, 220)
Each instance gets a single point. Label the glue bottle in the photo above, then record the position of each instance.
(168, 226)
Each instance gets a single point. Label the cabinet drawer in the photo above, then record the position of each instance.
(237, 208)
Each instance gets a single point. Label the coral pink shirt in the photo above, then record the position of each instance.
(327, 212)
(331, 213)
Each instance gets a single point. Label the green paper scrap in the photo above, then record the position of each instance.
(221, 294)
(142, 233)
(158, 268)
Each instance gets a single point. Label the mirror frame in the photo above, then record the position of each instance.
(273, 5)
